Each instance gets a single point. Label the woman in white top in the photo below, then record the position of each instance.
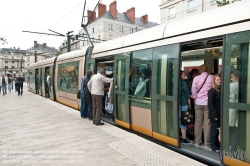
(233, 113)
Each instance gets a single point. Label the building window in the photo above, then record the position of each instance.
(110, 26)
(191, 5)
(93, 30)
(100, 27)
(13, 61)
(6, 61)
(121, 29)
(172, 12)
(6, 67)
(110, 37)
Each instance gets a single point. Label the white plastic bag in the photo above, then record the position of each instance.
(108, 106)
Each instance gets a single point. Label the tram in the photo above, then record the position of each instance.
(219, 38)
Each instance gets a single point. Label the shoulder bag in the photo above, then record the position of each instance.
(202, 84)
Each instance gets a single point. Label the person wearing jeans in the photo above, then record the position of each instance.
(201, 84)
(214, 95)
(4, 83)
(84, 106)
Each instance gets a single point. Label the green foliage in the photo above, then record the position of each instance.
(224, 2)
(59, 53)
(3, 40)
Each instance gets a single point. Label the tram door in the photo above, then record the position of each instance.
(91, 65)
(236, 100)
(121, 91)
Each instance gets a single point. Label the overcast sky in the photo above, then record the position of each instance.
(58, 15)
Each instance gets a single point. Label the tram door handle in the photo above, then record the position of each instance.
(116, 87)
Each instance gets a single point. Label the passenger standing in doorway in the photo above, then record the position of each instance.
(84, 106)
(96, 87)
(20, 81)
(184, 104)
(214, 95)
(201, 85)
(4, 83)
(193, 73)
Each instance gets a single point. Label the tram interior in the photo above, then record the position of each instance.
(192, 56)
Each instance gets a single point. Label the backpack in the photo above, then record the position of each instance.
(9, 80)
(141, 89)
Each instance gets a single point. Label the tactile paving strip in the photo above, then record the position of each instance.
(138, 155)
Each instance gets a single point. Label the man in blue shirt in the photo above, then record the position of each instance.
(84, 107)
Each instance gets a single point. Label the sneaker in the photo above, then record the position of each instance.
(207, 147)
(197, 145)
(185, 141)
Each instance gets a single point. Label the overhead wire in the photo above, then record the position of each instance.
(64, 16)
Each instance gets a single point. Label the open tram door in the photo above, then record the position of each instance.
(121, 91)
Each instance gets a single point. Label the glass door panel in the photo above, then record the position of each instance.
(236, 99)
(90, 65)
(121, 91)
(165, 94)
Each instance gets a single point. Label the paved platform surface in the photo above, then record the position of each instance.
(37, 131)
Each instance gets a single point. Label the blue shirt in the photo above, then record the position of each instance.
(84, 82)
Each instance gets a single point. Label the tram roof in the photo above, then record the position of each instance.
(42, 63)
(217, 17)
(72, 54)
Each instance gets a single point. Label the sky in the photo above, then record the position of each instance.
(58, 15)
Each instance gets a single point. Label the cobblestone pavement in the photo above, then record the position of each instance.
(37, 131)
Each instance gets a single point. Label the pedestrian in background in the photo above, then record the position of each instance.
(20, 81)
(4, 83)
(9, 83)
(96, 87)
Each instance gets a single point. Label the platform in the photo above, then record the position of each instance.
(37, 131)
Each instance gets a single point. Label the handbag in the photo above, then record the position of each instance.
(186, 116)
(79, 94)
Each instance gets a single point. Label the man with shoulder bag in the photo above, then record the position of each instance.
(201, 84)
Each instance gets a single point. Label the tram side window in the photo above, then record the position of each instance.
(140, 74)
(67, 79)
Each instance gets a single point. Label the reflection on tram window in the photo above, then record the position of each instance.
(237, 96)
(67, 79)
(166, 58)
(140, 74)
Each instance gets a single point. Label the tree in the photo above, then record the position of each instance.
(59, 53)
(3, 40)
(224, 2)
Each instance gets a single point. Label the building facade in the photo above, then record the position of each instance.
(11, 60)
(175, 9)
(108, 25)
(42, 52)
